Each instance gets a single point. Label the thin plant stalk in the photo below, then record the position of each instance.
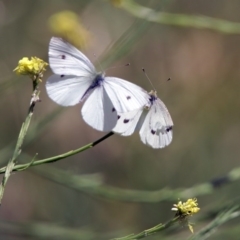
(151, 231)
(22, 134)
(21, 167)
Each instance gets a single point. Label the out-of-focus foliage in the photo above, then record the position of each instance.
(202, 98)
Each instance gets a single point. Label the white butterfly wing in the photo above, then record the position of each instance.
(124, 95)
(98, 111)
(68, 60)
(127, 122)
(156, 129)
(67, 90)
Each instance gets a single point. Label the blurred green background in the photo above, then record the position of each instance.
(202, 97)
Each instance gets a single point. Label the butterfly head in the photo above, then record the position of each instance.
(101, 74)
(152, 96)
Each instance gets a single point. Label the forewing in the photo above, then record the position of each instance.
(98, 111)
(68, 60)
(127, 122)
(156, 129)
(67, 90)
(125, 96)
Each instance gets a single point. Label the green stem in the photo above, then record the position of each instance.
(96, 188)
(180, 20)
(21, 167)
(151, 231)
(17, 151)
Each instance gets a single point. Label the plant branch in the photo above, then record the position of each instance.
(180, 20)
(23, 131)
(21, 167)
(79, 183)
(151, 231)
(99, 189)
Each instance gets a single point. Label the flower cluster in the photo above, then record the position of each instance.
(33, 67)
(186, 209)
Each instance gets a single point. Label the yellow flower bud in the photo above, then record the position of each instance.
(186, 209)
(189, 207)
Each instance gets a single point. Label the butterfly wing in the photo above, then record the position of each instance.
(127, 122)
(156, 129)
(67, 90)
(74, 73)
(98, 111)
(125, 96)
(65, 59)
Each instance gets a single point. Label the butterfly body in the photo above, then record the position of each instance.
(97, 82)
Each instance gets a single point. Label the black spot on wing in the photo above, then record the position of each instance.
(63, 56)
(62, 75)
(125, 120)
(169, 128)
(118, 116)
(153, 132)
(113, 110)
(128, 97)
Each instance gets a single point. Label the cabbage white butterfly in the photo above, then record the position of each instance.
(153, 121)
(76, 79)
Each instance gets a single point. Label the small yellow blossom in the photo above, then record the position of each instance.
(186, 209)
(66, 24)
(32, 67)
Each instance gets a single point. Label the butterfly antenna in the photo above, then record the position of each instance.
(124, 65)
(98, 62)
(149, 79)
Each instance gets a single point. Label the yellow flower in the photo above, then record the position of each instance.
(186, 209)
(33, 67)
(66, 24)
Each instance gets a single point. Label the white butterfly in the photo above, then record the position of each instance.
(76, 79)
(153, 121)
